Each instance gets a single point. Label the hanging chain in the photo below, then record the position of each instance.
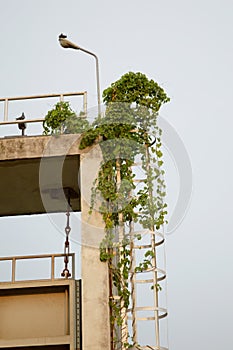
(66, 273)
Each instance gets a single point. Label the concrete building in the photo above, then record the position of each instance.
(50, 174)
(38, 170)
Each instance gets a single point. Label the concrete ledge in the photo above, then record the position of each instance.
(38, 146)
(29, 342)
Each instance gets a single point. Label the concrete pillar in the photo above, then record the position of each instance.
(96, 330)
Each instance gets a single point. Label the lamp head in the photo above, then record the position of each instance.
(66, 43)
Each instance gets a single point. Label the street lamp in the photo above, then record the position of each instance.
(69, 45)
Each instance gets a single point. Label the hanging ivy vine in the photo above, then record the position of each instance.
(128, 129)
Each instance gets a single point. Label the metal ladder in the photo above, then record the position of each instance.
(145, 313)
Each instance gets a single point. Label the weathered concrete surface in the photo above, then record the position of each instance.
(37, 146)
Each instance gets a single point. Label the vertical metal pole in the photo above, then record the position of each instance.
(85, 104)
(52, 267)
(13, 270)
(133, 284)
(155, 282)
(154, 261)
(73, 266)
(110, 285)
(124, 327)
(97, 75)
(67, 318)
(6, 110)
(61, 100)
(98, 84)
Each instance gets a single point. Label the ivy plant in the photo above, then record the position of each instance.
(127, 130)
(62, 119)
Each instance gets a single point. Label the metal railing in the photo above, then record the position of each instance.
(52, 258)
(61, 96)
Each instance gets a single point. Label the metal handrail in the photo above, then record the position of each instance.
(6, 101)
(36, 120)
(42, 256)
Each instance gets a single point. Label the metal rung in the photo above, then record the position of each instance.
(144, 246)
(115, 297)
(145, 281)
(137, 164)
(151, 280)
(148, 245)
(153, 269)
(139, 180)
(154, 347)
(149, 308)
(148, 318)
(147, 231)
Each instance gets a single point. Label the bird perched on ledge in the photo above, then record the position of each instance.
(22, 126)
(22, 117)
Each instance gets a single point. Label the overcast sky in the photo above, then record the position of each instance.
(187, 47)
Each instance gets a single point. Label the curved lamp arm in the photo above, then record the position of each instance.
(66, 44)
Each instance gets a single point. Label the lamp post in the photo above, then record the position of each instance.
(69, 45)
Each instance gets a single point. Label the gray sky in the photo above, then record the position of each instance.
(187, 47)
